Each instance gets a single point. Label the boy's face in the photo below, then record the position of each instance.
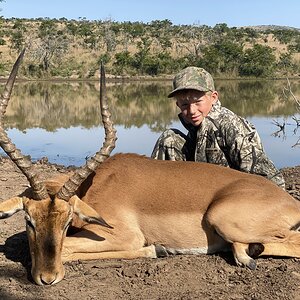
(195, 105)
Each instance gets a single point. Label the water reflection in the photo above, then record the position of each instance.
(60, 120)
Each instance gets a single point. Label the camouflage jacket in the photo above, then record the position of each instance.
(223, 138)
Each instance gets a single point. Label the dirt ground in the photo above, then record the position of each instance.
(179, 277)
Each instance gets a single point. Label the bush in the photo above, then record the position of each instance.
(258, 61)
(223, 57)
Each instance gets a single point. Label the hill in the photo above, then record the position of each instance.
(73, 49)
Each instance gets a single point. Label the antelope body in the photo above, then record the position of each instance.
(129, 206)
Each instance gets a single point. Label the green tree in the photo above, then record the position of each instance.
(135, 29)
(258, 61)
(72, 27)
(17, 36)
(161, 32)
(141, 59)
(123, 60)
(285, 36)
(285, 63)
(223, 57)
(2, 32)
(295, 45)
(86, 30)
(250, 34)
(221, 29)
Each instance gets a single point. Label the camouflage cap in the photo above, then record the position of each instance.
(192, 78)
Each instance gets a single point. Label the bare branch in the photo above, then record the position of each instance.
(288, 89)
(297, 144)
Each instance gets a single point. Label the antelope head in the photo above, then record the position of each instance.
(48, 216)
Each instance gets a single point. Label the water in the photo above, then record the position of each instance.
(61, 120)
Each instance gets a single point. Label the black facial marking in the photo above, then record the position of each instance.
(92, 220)
(296, 227)
(49, 246)
(29, 224)
(3, 215)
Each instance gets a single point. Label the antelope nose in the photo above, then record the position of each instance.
(48, 279)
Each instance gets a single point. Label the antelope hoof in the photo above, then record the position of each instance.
(246, 262)
(161, 251)
(252, 264)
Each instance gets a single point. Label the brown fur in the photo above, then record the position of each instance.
(148, 206)
(132, 206)
(183, 204)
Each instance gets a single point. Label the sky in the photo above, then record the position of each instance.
(234, 13)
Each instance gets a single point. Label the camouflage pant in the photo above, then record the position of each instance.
(173, 145)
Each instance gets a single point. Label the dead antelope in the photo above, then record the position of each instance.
(129, 206)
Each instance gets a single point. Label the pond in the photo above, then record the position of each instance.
(61, 120)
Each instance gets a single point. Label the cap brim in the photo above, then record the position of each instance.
(197, 88)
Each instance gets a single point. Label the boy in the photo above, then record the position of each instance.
(215, 134)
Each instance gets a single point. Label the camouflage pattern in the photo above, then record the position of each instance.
(192, 78)
(223, 138)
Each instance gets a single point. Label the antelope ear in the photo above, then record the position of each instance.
(87, 213)
(10, 207)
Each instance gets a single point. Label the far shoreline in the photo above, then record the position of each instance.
(127, 79)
